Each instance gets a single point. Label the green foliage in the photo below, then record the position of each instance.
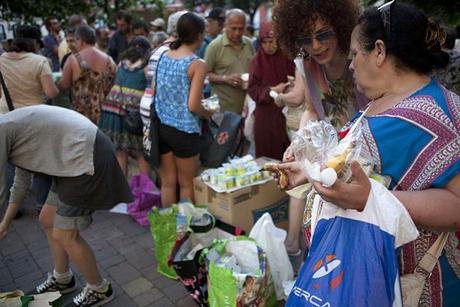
(248, 6)
(27, 9)
(447, 10)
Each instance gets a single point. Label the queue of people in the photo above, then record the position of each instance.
(381, 63)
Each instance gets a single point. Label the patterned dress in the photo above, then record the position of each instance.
(124, 96)
(90, 89)
(417, 144)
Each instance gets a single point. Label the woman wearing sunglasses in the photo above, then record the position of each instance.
(412, 129)
(312, 32)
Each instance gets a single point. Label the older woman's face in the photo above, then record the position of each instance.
(321, 44)
(269, 45)
(362, 66)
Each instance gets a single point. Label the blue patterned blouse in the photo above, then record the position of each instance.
(172, 92)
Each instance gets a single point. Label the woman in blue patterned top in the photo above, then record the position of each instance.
(179, 84)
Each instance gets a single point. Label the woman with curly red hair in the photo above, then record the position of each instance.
(317, 34)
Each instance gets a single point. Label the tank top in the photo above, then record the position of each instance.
(172, 92)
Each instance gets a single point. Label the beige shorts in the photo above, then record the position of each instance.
(69, 217)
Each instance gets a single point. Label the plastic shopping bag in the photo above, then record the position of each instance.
(239, 274)
(163, 229)
(187, 260)
(146, 196)
(352, 259)
(171, 224)
(18, 299)
(271, 239)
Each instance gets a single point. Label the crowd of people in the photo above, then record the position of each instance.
(394, 65)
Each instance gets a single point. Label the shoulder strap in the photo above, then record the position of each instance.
(429, 260)
(155, 59)
(315, 81)
(9, 102)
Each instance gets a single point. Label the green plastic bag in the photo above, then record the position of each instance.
(163, 229)
(239, 274)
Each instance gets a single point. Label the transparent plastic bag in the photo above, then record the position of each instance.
(318, 150)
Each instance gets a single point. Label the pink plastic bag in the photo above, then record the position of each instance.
(146, 196)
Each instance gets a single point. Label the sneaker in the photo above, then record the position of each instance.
(51, 284)
(89, 297)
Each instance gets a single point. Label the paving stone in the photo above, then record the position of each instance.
(122, 242)
(148, 297)
(131, 228)
(28, 282)
(45, 264)
(164, 282)
(110, 261)
(38, 245)
(5, 277)
(151, 273)
(140, 258)
(121, 300)
(186, 302)
(164, 302)
(32, 235)
(24, 253)
(22, 266)
(175, 292)
(123, 273)
(11, 244)
(137, 287)
(9, 287)
(144, 240)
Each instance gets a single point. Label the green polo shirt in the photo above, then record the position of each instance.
(224, 60)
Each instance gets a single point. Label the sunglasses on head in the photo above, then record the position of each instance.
(321, 37)
(385, 14)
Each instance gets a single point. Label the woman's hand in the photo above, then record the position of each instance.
(279, 88)
(294, 173)
(351, 195)
(288, 155)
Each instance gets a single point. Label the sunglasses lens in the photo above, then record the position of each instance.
(325, 36)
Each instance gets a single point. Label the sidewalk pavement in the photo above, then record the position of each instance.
(124, 251)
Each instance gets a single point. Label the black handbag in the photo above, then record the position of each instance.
(9, 102)
(132, 122)
(220, 140)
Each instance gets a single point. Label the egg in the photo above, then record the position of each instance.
(328, 177)
(273, 94)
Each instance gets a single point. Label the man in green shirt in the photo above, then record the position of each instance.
(228, 57)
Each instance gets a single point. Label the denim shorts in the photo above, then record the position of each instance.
(69, 217)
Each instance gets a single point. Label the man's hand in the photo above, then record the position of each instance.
(351, 195)
(234, 80)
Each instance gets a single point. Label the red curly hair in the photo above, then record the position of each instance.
(293, 19)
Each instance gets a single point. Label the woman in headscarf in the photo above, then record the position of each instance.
(268, 71)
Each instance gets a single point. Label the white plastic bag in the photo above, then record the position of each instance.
(271, 239)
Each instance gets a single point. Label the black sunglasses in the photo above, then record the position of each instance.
(385, 15)
(321, 37)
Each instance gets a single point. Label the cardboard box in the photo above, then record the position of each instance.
(243, 207)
